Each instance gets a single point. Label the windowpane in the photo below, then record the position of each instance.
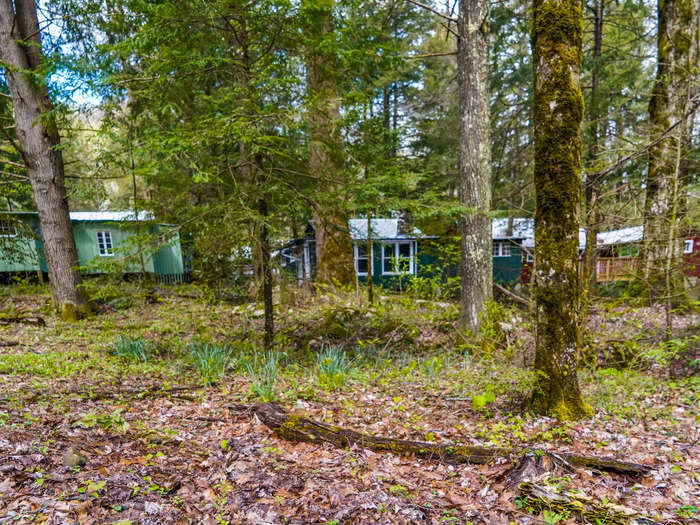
(104, 243)
(388, 258)
(505, 249)
(7, 229)
(362, 265)
(688, 246)
(404, 249)
(362, 250)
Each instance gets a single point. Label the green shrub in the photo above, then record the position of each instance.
(332, 366)
(210, 359)
(133, 348)
(263, 373)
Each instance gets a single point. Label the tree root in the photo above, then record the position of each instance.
(564, 504)
(295, 427)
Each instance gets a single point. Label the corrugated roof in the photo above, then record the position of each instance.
(108, 216)
(96, 216)
(522, 228)
(381, 229)
(529, 242)
(622, 236)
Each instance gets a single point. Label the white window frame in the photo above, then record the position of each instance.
(394, 245)
(501, 251)
(102, 249)
(688, 246)
(356, 252)
(10, 228)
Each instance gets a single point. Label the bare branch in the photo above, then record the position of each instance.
(433, 10)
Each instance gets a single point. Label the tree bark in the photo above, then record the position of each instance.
(557, 32)
(474, 160)
(590, 277)
(334, 260)
(670, 103)
(39, 141)
(266, 268)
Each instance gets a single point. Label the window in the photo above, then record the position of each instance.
(398, 257)
(528, 256)
(688, 246)
(7, 229)
(104, 244)
(361, 262)
(501, 248)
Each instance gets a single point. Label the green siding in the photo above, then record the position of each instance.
(166, 261)
(506, 270)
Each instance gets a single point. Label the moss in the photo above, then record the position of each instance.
(72, 313)
(557, 32)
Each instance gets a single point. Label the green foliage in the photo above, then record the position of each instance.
(210, 359)
(111, 421)
(264, 372)
(133, 348)
(332, 366)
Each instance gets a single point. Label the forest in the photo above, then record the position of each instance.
(371, 261)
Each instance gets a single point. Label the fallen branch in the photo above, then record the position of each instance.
(511, 295)
(9, 343)
(22, 319)
(294, 427)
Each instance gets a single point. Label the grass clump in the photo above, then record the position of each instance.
(210, 359)
(332, 366)
(133, 348)
(263, 373)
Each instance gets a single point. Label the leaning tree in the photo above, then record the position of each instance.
(38, 142)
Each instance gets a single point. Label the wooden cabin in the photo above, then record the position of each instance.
(101, 238)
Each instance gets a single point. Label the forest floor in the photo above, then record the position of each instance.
(93, 431)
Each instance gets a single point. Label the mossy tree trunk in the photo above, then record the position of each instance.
(334, 262)
(557, 31)
(39, 145)
(670, 103)
(474, 160)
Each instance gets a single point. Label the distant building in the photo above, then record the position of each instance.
(99, 236)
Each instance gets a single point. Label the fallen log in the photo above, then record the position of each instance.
(584, 507)
(22, 319)
(294, 427)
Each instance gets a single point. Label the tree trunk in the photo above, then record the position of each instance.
(590, 277)
(266, 268)
(670, 103)
(474, 160)
(334, 263)
(557, 31)
(39, 141)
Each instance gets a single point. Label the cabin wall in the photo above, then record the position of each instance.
(507, 270)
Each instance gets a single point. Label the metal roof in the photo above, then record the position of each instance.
(381, 229)
(522, 228)
(622, 236)
(97, 216)
(108, 216)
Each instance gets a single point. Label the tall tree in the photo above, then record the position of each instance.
(557, 32)
(592, 186)
(670, 104)
(39, 144)
(474, 159)
(333, 244)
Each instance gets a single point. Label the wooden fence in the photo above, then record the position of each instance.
(617, 268)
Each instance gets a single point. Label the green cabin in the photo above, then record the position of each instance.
(400, 251)
(103, 239)
(396, 252)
